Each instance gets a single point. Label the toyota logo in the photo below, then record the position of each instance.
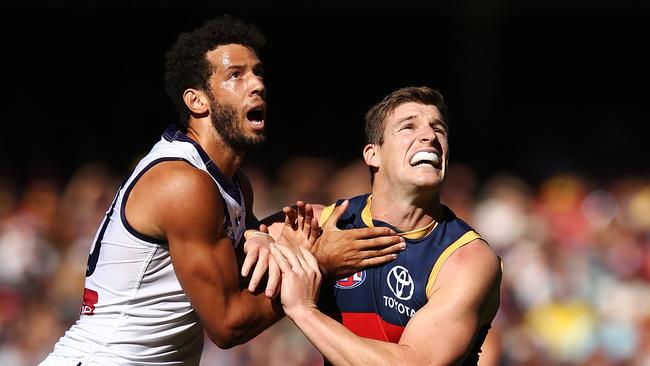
(400, 282)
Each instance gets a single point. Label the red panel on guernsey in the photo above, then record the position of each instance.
(370, 325)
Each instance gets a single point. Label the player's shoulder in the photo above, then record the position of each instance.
(475, 257)
(178, 181)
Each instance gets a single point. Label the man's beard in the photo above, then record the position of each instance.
(226, 123)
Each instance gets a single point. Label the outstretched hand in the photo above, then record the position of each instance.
(300, 229)
(342, 253)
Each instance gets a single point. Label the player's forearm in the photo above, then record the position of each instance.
(342, 347)
(243, 318)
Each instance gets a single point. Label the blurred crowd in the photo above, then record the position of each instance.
(576, 253)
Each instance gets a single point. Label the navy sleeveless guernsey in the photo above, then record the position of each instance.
(378, 302)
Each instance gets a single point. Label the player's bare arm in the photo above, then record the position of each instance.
(441, 333)
(181, 204)
(341, 253)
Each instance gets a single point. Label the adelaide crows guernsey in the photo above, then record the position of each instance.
(134, 310)
(378, 302)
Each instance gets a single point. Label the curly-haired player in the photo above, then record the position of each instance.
(164, 265)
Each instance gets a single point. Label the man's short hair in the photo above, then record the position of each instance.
(187, 65)
(376, 116)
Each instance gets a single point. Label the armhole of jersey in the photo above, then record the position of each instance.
(326, 213)
(127, 192)
(463, 240)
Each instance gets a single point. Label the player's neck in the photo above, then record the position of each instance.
(405, 211)
(223, 155)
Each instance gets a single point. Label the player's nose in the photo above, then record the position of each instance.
(257, 86)
(427, 134)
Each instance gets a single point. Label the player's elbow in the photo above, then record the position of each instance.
(224, 338)
(228, 334)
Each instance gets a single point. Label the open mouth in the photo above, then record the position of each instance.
(424, 159)
(256, 116)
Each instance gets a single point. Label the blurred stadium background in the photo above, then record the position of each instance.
(549, 131)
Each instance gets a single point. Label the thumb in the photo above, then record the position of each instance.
(264, 228)
(336, 214)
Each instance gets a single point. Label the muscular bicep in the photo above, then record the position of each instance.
(189, 211)
(208, 274)
(444, 330)
(185, 206)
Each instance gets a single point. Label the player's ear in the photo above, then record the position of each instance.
(196, 101)
(371, 155)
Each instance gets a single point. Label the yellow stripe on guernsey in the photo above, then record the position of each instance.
(412, 234)
(326, 213)
(463, 240)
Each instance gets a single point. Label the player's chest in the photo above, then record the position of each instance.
(395, 291)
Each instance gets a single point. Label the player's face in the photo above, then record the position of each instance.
(415, 147)
(238, 107)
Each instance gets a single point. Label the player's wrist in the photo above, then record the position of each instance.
(302, 312)
(250, 233)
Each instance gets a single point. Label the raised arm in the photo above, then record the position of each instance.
(181, 204)
(441, 333)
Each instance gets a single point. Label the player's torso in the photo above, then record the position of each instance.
(134, 309)
(378, 302)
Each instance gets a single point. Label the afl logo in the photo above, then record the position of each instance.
(351, 282)
(400, 282)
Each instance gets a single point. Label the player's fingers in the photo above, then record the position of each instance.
(274, 279)
(309, 210)
(289, 255)
(309, 214)
(377, 261)
(286, 211)
(315, 230)
(260, 269)
(250, 259)
(289, 217)
(377, 242)
(264, 228)
(336, 214)
(309, 259)
(301, 259)
(382, 246)
(371, 232)
(300, 206)
(393, 249)
(280, 259)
